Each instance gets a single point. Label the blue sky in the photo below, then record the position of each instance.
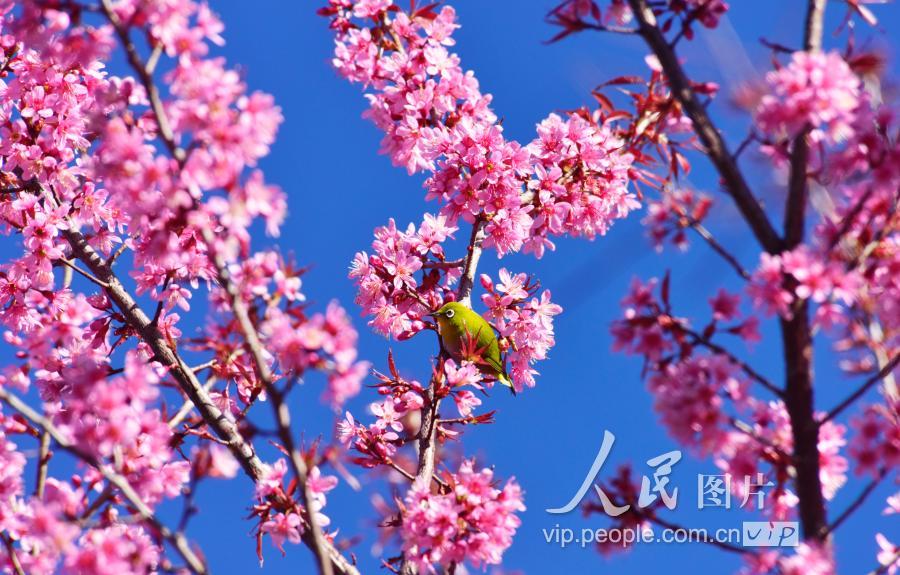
(340, 189)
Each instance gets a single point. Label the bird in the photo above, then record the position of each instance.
(463, 331)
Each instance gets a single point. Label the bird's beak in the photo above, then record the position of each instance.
(432, 314)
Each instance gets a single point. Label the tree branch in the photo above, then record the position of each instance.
(473, 255)
(223, 426)
(715, 146)
(427, 440)
(796, 335)
(282, 414)
(13, 557)
(42, 462)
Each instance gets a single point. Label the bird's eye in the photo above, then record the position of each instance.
(450, 313)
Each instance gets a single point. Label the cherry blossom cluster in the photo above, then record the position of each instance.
(829, 284)
(769, 442)
(473, 521)
(404, 399)
(388, 289)
(378, 443)
(875, 447)
(701, 391)
(690, 396)
(523, 321)
(435, 119)
(571, 180)
(818, 90)
(288, 524)
(114, 417)
(467, 519)
(649, 328)
(580, 188)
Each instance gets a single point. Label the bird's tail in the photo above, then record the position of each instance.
(505, 380)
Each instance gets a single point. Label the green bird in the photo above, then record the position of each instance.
(465, 333)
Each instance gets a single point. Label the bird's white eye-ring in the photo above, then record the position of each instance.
(450, 313)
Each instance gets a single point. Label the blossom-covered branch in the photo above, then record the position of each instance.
(176, 539)
(822, 121)
(97, 164)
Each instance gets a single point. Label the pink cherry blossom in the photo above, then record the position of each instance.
(888, 554)
(525, 322)
(815, 89)
(875, 445)
(114, 550)
(809, 559)
(474, 522)
(283, 527)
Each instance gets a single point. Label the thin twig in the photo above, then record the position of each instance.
(613, 29)
(882, 373)
(448, 265)
(849, 219)
(98, 501)
(408, 475)
(699, 339)
(89, 276)
(860, 499)
(188, 406)
(112, 259)
(748, 430)
(743, 145)
(719, 249)
(13, 558)
(43, 463)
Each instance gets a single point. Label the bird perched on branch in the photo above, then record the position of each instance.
(466, 335)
